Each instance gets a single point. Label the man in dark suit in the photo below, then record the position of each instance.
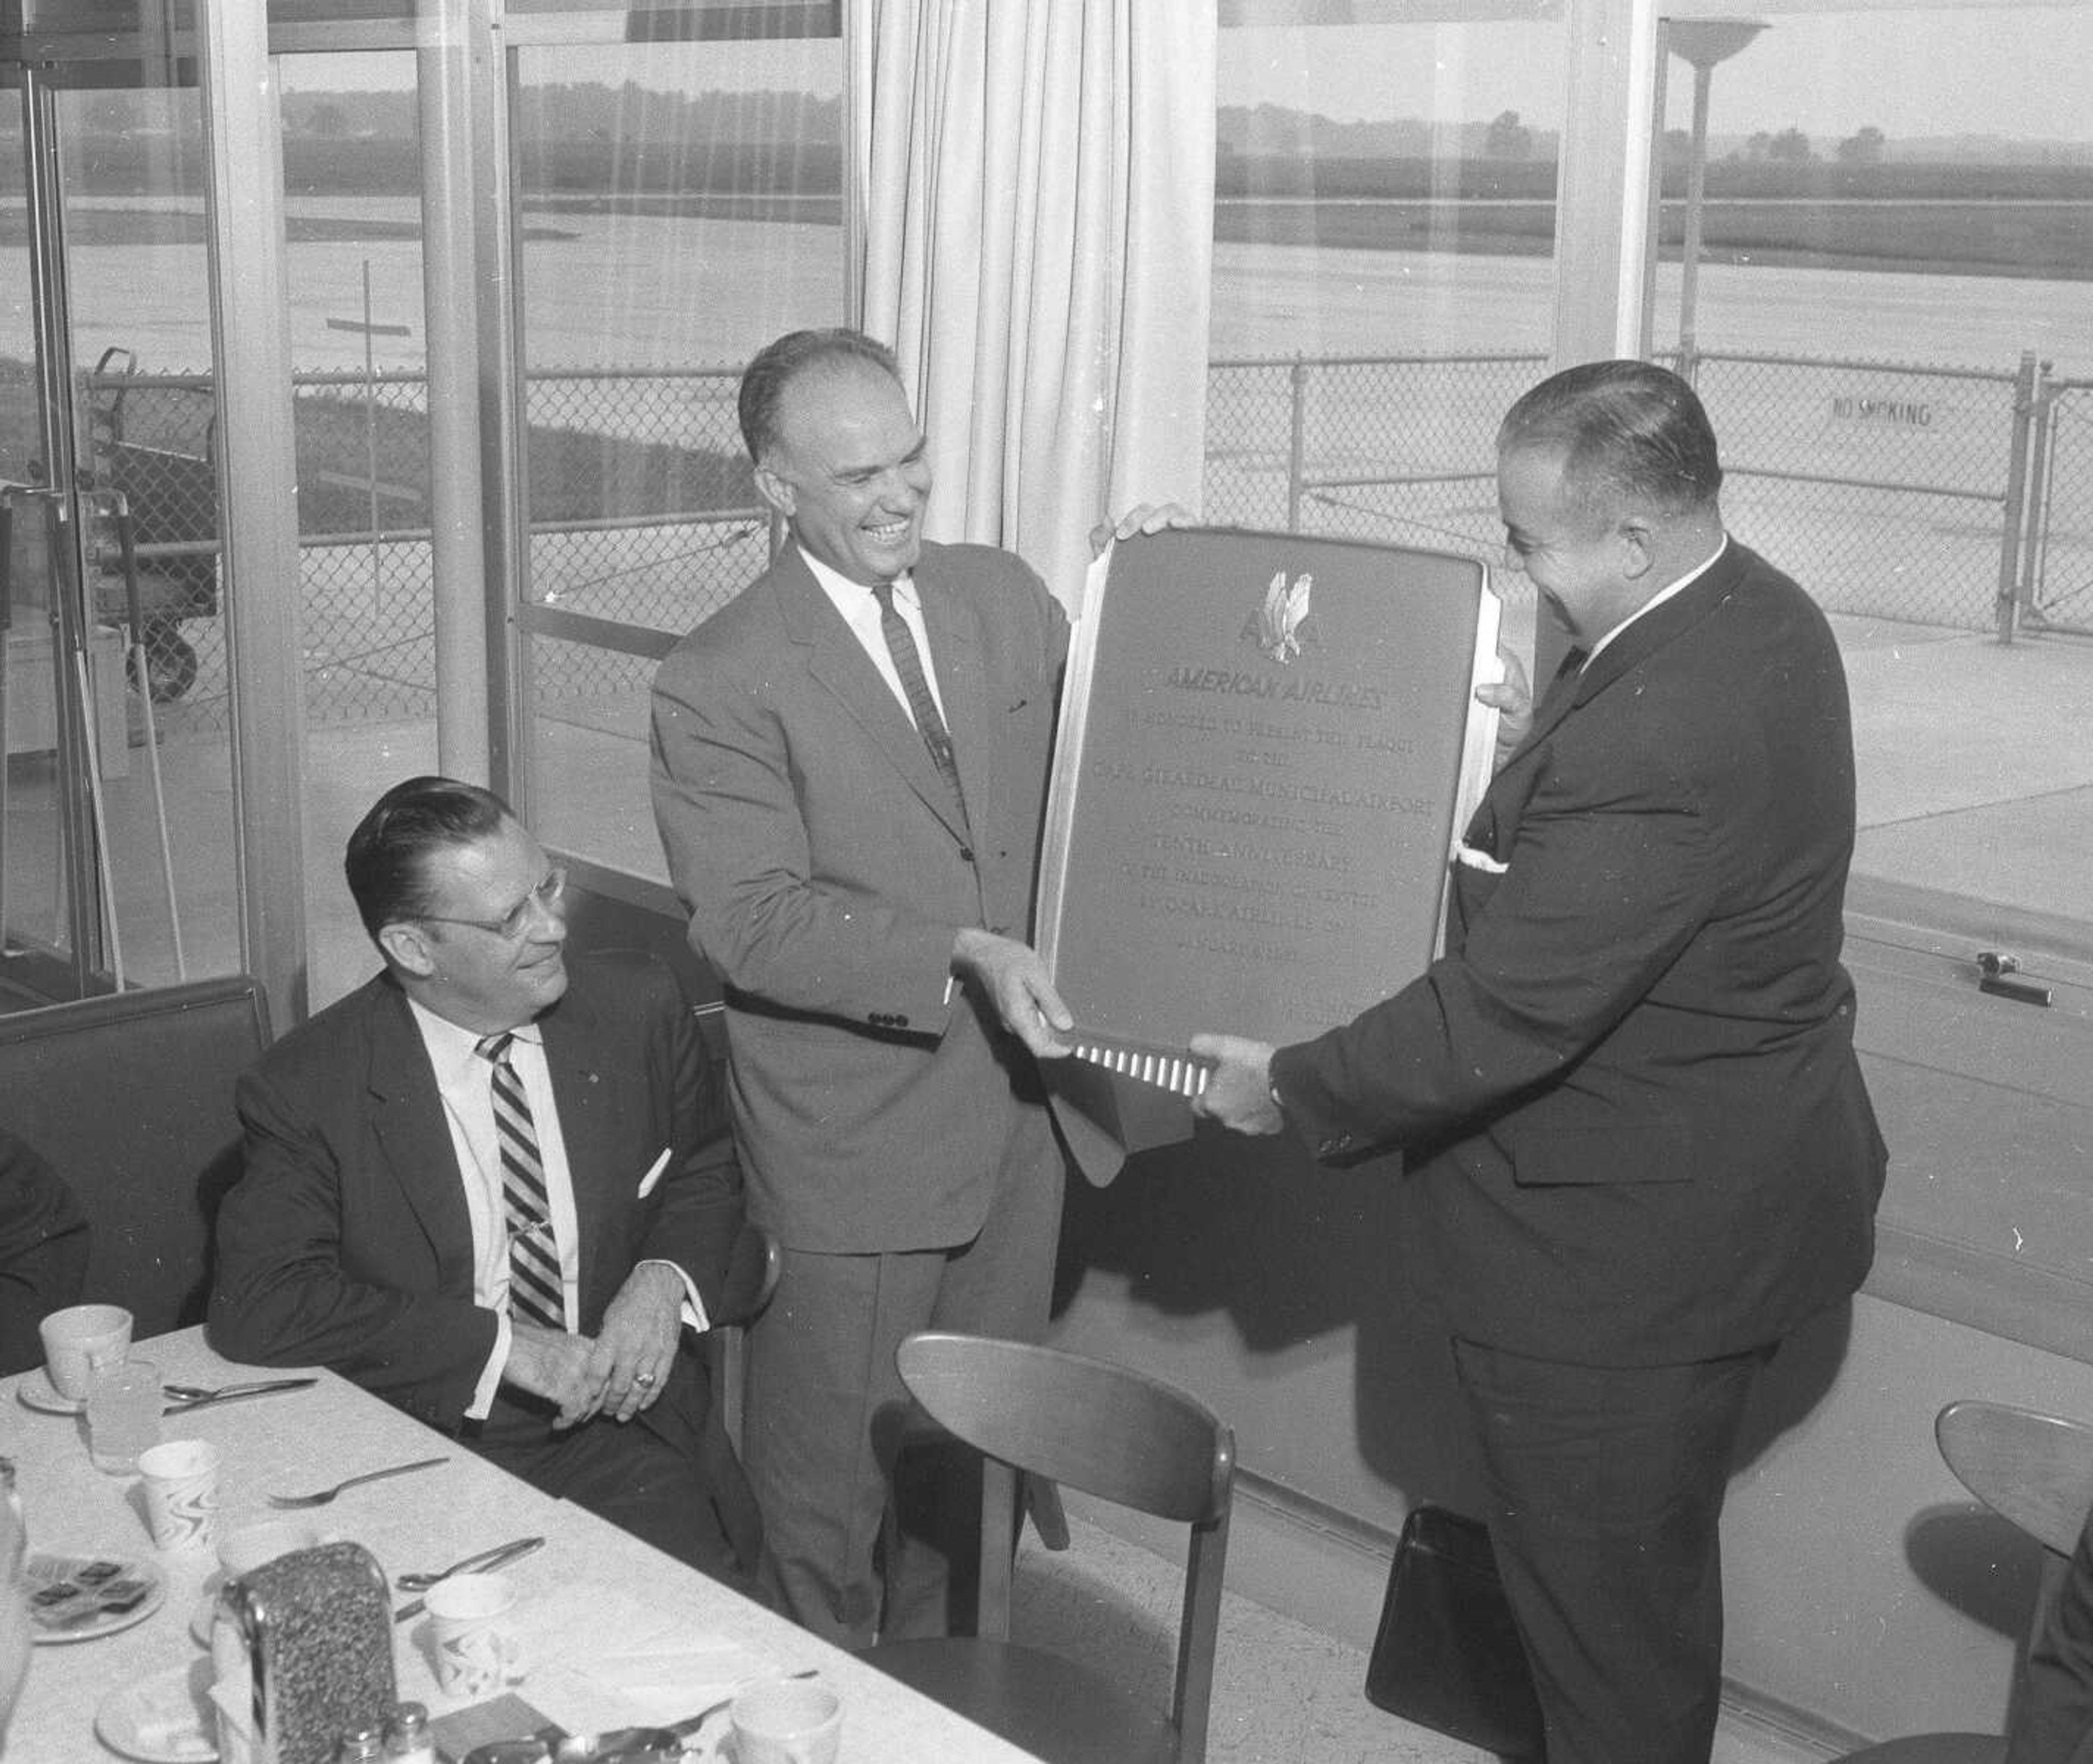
(849, 771)
(489, 1185)
(43, 1251)
(1636, 1151)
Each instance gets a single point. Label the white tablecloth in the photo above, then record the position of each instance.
(616, 1633)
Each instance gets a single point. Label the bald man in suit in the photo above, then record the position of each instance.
(1634, 1145)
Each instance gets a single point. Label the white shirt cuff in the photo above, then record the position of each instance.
(497, 1362)
(694, 1306)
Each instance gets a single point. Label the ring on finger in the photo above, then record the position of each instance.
(642, 1379)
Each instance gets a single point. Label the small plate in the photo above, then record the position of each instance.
(163, 1719)
(37, 1392)
(76, 1598)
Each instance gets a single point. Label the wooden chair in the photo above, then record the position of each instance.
(1118, 1434)
(129, 1096)
(2035, 1470)
(751, 1277)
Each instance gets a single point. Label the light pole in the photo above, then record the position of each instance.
(1703, 42)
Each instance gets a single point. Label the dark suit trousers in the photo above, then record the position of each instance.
(626, 1473)
(826, 1413)
(2053, 1707)
(1606, 1486)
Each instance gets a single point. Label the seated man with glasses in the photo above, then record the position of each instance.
(493, 1185)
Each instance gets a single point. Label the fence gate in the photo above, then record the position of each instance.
(2055, 590)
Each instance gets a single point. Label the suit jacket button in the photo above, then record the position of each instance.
(966, 854)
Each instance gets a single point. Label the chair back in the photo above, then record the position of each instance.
(752, 1268)
(2035, 1470)
(1110, 1431)
(1113, 1432)
(129, 1097)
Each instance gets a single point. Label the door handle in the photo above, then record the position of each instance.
(11, 495)
(1994, 968)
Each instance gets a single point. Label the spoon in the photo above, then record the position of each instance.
(183, 1398)
(499, 1557)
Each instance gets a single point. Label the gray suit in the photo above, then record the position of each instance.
(895, 1138)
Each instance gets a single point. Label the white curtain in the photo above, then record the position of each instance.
(1038, 205)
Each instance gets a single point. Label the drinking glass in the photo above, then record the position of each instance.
(123, 1407)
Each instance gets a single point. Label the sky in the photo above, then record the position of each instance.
(2019, 71)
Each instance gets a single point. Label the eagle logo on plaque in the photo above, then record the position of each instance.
(1280, 626)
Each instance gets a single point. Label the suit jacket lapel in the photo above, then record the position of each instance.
(837, 661)
(1496, 818)
(408, 1120)
(593, 1127)
(1642, 639)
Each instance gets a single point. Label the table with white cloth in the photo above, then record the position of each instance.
(615, 1633)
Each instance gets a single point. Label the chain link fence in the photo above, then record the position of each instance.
(1885, 488)
(1396, 449)
(606, 452)
(1893, 490)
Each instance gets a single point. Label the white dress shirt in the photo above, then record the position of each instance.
(860, 612)
(464, 1081)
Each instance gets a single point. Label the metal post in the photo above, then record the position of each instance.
(2016, 508)
(2033, 552)
(1297, 388)
(1697, 192)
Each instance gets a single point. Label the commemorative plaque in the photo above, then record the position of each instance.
(1268, 746)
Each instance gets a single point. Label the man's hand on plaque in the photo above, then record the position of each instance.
(1017, 984)
(1143, 518)
(1512, 699)
(1238, 1095)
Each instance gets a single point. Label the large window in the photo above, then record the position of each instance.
(352, 218)
(1383, 274)
(1878, 267)
(679, 206)
(116, 848)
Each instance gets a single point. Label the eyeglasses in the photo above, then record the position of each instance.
(513, 924)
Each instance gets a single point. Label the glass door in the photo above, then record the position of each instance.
(117, 856)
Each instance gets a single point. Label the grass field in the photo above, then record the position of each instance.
(2045, 238)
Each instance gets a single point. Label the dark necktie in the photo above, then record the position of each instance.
(533, 1263)
(908, 664)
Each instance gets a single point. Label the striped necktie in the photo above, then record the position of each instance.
(534, 1263)
(908, 664)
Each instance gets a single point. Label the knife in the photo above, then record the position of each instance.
(234, 1392)
(485, 1563)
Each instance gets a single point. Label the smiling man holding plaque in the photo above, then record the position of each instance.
(850, 761)
(1635, 1149)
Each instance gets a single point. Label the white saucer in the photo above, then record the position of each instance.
(37, 1392)
(43, 1574)
(163, 1719)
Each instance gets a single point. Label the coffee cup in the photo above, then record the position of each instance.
(81, 1340)
(245, 1548)
(786, 1722)
(475, 1644)
(181, 1493)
